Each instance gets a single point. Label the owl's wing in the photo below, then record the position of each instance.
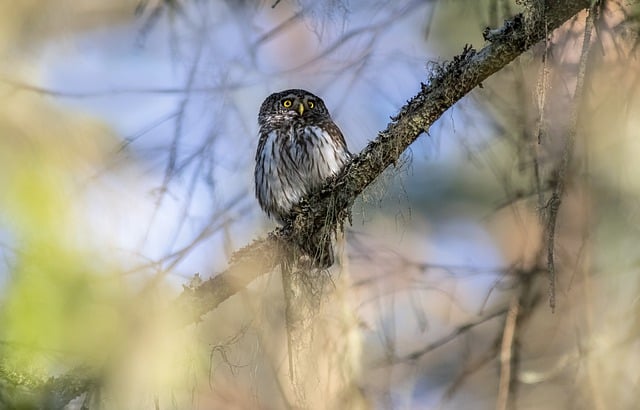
(335, 132)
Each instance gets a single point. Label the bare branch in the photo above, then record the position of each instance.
(247, 264)
(553, 205)
(506, 372)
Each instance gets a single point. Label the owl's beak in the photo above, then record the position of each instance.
(301, 108)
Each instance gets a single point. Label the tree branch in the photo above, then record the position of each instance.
(557, 195)
(325, 210)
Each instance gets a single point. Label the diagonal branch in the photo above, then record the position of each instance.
(327, 209)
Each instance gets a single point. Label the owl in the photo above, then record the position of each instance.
(299, 148)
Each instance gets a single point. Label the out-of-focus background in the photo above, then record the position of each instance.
(127, 142)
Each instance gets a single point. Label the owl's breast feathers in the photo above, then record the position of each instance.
(296, 154)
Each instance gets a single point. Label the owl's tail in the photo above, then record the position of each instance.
(320, 249)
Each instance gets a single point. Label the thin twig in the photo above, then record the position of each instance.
(442, 341)
(508, 334)
(554, 203)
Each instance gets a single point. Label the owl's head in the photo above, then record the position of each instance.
(292, 104)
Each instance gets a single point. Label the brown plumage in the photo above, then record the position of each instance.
(299, 148)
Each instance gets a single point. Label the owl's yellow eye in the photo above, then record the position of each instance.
(287, 103)
(311, 104)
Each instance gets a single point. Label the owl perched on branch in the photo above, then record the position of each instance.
(299, 148)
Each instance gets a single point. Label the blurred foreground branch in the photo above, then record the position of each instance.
(555, 201)
(325, 210)
(52, 393)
